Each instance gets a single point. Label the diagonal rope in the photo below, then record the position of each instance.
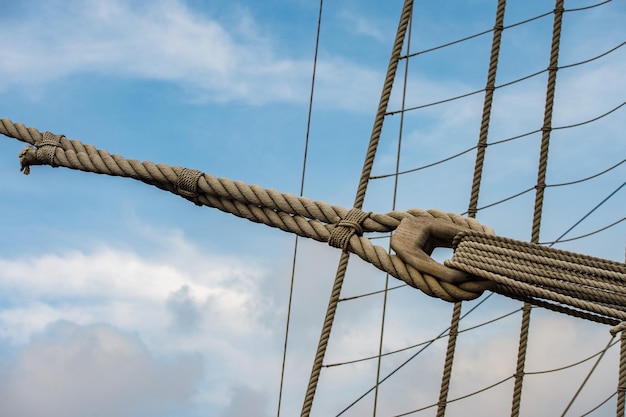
(473, 203)
(358, 203)
(621, 380)
(393, 207)
(541, 182)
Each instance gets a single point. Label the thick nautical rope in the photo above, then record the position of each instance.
(575, 284)
(302, 216)
(580, 285)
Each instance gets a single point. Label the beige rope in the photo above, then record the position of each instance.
(447, 368)
(540, 188)
(486, 116)
(584, 283)
(578, 281)
(621, 381)
(476, 182)
(368, 163)
(299, 215)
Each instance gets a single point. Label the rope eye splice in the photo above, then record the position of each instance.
(570, 283)
(416, 238)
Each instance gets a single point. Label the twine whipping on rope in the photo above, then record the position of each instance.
(575, 284)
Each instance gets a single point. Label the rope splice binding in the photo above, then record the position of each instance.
(42, 154)
(347, 227)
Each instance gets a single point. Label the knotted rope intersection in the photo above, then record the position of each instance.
(563, 287)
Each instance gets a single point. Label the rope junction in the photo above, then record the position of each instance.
(575, 284)
(570, 283)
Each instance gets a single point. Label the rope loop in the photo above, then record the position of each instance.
(347, 227)
(619, 328)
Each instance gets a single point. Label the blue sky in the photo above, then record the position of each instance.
(120, 299)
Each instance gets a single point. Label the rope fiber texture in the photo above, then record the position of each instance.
(302, 216)
(595, 287)
(580, 285)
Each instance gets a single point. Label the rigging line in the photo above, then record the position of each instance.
(458, 398)
(377, 177)
(599, 405)
(354, 297)
(498, 142)
(368, 163)
(548, 186)
(591, 6)
(621, 375)
(539, 195)
(585, 235)
(507, 84)
(589, 213)
(562, 184)
(486, 115)
(475, 190)
(591, 371)
(476, 35)
(393, 207)
(434, 103)
(572, 365)
(504, 200)
(590, 120)
(594, 58)
(295, 245)
(413, 356)
(424, 342)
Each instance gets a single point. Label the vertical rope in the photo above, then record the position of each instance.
(521, 359)
(476, 182)
(621, 381)
(547, 120)
(393, 207)
(447, 369)
(407, 10)
(484, 125)
(295, 245)
(358, 203)
(540, 187)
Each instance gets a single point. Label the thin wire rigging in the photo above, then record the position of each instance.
(499, 142)
(303, 175)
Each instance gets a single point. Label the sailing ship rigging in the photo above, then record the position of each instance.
(507, 136)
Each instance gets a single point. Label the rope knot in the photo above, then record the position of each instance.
(347, 227)
(43, 153)
(187, 184)
(46, 148)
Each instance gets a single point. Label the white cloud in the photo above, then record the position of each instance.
(247, 402)
(362, 25)
(95, 370)
(166, 41)
(229, 315)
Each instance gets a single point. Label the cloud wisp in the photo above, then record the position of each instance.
(166, 41)
(94, 370)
